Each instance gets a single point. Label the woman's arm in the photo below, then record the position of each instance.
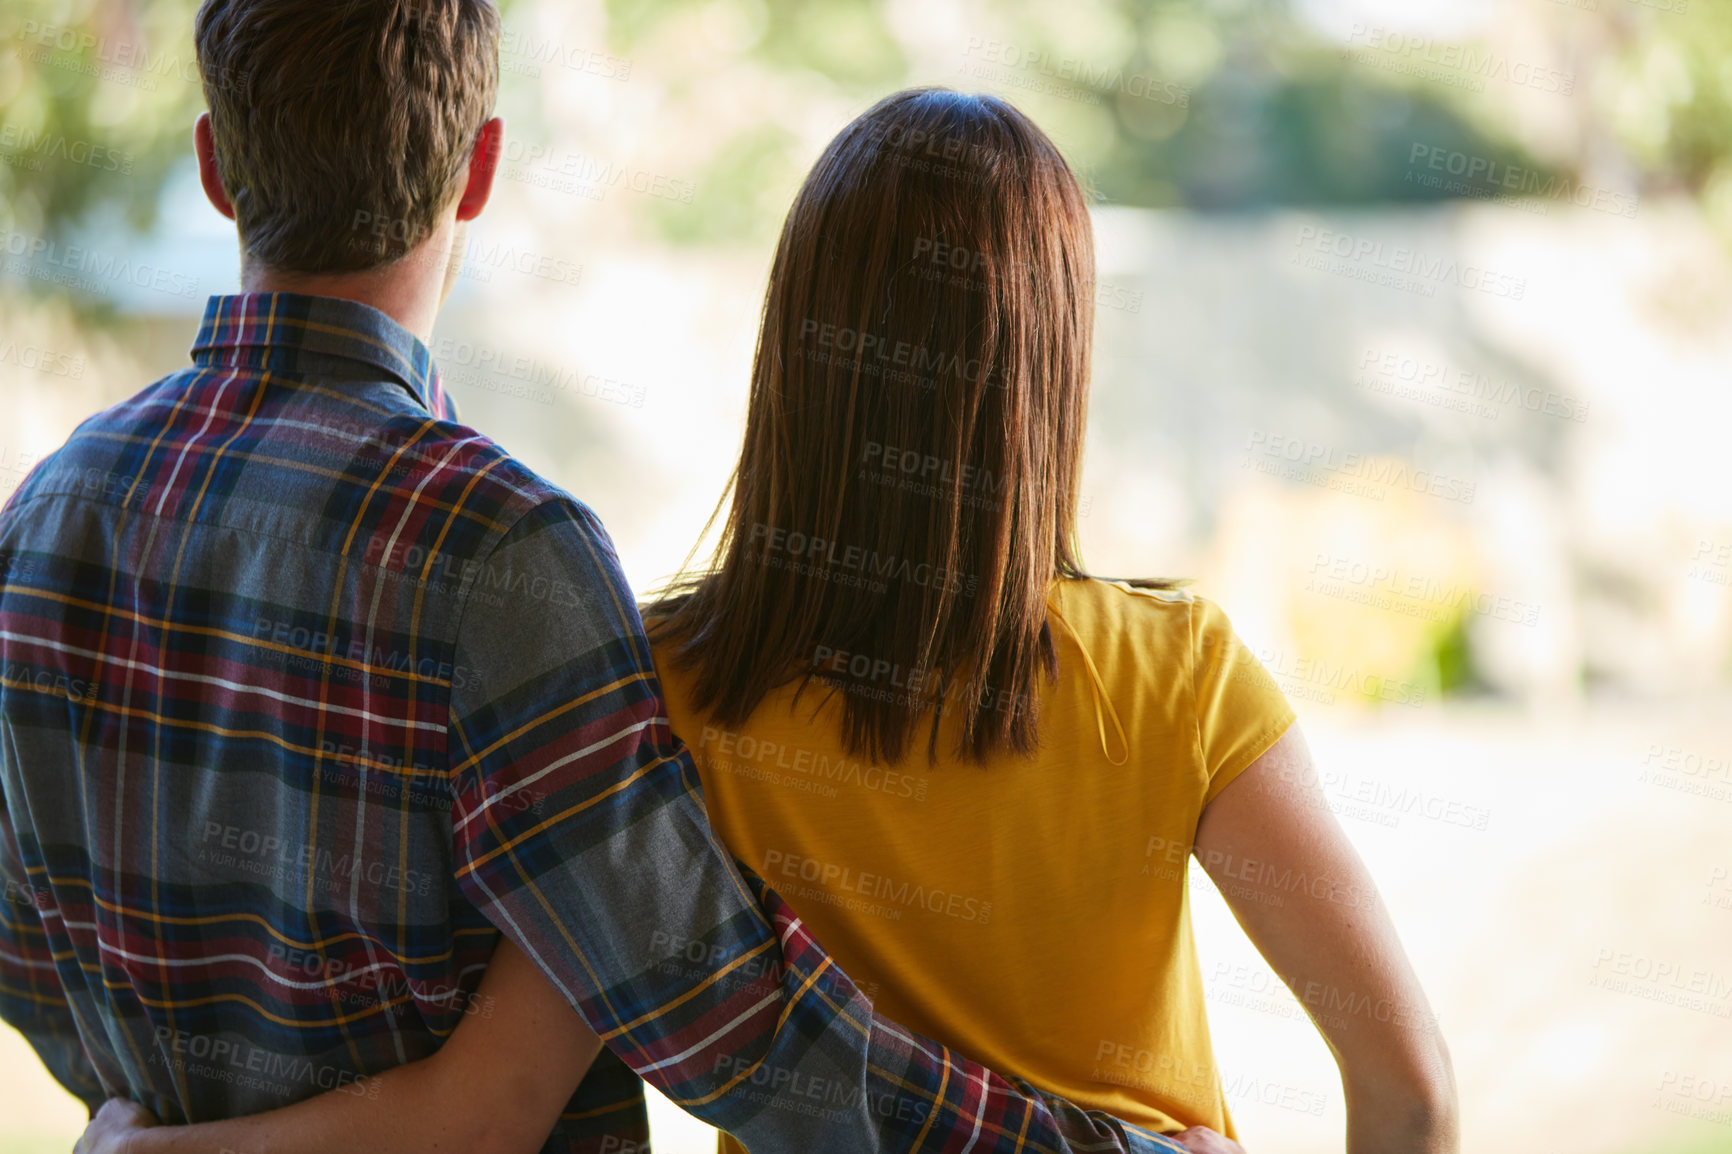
(496, 1087)
(1331, 940)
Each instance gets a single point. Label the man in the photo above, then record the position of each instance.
(310, 692)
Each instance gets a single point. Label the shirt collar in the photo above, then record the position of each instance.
(292, 333)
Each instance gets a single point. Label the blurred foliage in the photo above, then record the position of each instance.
(1242, 106)
(34, 1143)
(1669, 93)
(1285, 121)
(1668, 98)
(97, 101)
(1676, 1144)
(737, 200)
(1211, 104)
(1453, 662)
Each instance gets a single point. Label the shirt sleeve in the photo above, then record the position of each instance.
(1241, 711)
(579, 830)
(32, 1000)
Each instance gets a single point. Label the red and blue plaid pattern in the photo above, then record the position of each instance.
(307, 693)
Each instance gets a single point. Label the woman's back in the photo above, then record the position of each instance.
(1030, 912)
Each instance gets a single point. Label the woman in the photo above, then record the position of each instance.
(977, 771)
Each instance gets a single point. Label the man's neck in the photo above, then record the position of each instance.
(408, 290)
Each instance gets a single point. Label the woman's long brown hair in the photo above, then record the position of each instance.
(907, 488)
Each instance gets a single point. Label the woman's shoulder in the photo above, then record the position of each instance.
(1128, 601)
(1152, 628)
(664, 651)
(1129, 630)
(1114, 600)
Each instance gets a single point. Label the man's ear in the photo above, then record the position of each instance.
(205, 145)
(483, 163)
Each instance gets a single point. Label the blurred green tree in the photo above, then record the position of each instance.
(1210, 104)
(96, 103)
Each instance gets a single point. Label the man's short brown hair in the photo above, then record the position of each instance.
(343, 127)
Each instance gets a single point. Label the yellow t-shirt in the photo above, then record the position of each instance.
(1031, 913)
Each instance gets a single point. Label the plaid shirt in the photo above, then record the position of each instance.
(308, 693)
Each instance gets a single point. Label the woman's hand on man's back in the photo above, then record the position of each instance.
(112, 1129)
